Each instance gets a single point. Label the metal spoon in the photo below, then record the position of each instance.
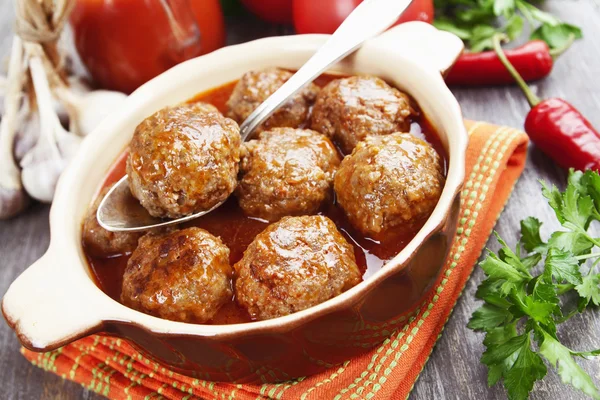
(119, 211)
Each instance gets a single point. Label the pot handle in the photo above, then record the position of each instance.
(423, 43)
(47, 308)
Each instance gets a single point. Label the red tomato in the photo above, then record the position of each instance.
(124, 43)
(324, 16)
(419, 10)
(275, 11)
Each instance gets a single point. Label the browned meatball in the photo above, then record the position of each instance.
(292, 265)
(102, 243)
(256, 86)
(389, 181)
(182, 276)
(183, 160)
(286, 172)
(349, 109)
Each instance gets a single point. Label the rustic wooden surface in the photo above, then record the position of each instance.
(454, 370)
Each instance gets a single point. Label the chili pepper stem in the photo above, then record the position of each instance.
(555, 53)
(532, 99)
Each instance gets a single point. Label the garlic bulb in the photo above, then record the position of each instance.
(44, 163)
(13, 198)
(87, 110)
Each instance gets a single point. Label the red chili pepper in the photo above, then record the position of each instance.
(560, 131)
(556, 127)
(534, 60)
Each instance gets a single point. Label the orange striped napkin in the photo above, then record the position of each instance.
(495, 159)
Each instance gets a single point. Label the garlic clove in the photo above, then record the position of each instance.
(88, 110)
(96, 106)
(27, 136)
(27, 130)
(40, 173)
(63, 107)
(68, 143)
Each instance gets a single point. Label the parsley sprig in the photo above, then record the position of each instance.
(526, 290)
(477, 21)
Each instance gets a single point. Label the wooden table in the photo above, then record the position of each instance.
(454, 370)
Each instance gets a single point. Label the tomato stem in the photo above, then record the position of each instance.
(532, 99)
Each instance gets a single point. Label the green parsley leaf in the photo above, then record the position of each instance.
(556, 35)
(576, 179)
(563, 266)
(570, 206)
(481, 38)
(589, 289)
(588, 184)
(495, 268)
(574, 242)
(555, 200)
(542, 16)
(546, 292)
(492, 292)
(531, 260)
(499, 335)
(514, 27)
(504, 8)
(528, 368)
(483, 15)
(540, 311)
(530, 235)
(488, 316)
(446, 24)
(577, 209)
(488, 287)
(510, 257)
(495, 372)
(569, 371)
(494, 337)
(498, 353)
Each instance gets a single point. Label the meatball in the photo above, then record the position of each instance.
(292, 265)
(256, 86)
(182, 276)
(349, 109)
(389, 181)
(286, 172)
(183, 160)
(102, 243)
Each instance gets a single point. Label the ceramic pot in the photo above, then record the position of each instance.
(55, 301)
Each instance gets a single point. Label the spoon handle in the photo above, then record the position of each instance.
(369, 19)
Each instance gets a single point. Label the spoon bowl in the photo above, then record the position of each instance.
(117, 213)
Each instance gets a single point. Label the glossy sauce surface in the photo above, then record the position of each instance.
(237, 230)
